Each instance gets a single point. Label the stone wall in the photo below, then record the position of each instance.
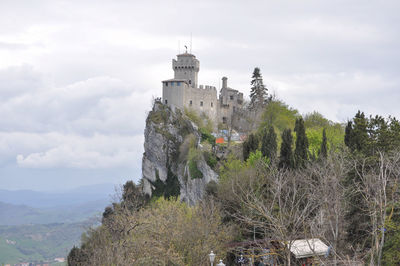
(202, 100)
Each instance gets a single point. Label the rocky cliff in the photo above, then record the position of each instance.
(176, 158)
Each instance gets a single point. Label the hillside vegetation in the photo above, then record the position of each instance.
(294, 177)
(38, 243)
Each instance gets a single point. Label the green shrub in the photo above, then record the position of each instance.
(194, 171)
(206, 136)
(211, 159)
(193, 157)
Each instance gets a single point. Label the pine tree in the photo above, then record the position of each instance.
(301, 150)
(249, 146)
(356, 133)
(286, 155)
(268, 144)
(323, 152)
(258, 93)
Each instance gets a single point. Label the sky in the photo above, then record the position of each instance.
(77, 78)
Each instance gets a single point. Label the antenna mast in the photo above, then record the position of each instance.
(190, 42)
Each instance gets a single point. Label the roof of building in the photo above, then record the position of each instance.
(186, 54)
(183, 80)
(304, 248)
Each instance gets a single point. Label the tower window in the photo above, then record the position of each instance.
(190, 103)
(190, 82)
(201, 103)
(166, 84)
(211, 104)
(231, 97)
(224, 120)
(166, 101)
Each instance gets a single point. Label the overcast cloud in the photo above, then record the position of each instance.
(77, 77)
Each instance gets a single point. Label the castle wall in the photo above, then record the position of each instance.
(229, 101)
(173, 94)
(203, 99)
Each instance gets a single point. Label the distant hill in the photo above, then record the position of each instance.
(35, 243)
(40, 226)
(11, 214)
(36, 199)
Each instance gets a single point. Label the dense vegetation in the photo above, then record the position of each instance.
(296, 177)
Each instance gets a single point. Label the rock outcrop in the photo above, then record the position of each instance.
(166, 167)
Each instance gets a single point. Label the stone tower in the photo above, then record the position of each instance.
(187, 67)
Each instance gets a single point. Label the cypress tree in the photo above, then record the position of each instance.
(324, 146)
(268, 144)
(286, 155)
(348, 139)
(301, 150)
(258, 92)
(249, 146)
(359, 134)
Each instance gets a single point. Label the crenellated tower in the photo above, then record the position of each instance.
(186, 67)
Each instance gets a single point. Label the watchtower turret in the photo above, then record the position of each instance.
(187, 67)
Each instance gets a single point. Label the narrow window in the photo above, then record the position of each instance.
(166, 84)
(201, 103)
(211, 104)
(190, 82)
(190, 103)
(166, 101)
(231, 97)
(224, 120)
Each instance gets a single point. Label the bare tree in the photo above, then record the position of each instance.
(377, 183)
(278, 203)
(329, 191)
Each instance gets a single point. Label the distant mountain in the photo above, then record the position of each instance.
(11, 214)
(80, 195)
(39, 226)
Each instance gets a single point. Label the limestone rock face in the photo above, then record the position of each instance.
(165, 166)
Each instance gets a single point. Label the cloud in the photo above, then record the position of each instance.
(88, 124)
(71, 151)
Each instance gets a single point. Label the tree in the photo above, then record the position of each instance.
(323, 152)
(301, 150)
(356, 135)
(250, 145)
(375, 186)
(258, 93)
(286, 154)
(268, 144)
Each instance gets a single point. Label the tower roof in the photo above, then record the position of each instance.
(186, 55)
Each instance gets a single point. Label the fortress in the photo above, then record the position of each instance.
(183, 91)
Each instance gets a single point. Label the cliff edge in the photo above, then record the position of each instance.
(177, 159)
